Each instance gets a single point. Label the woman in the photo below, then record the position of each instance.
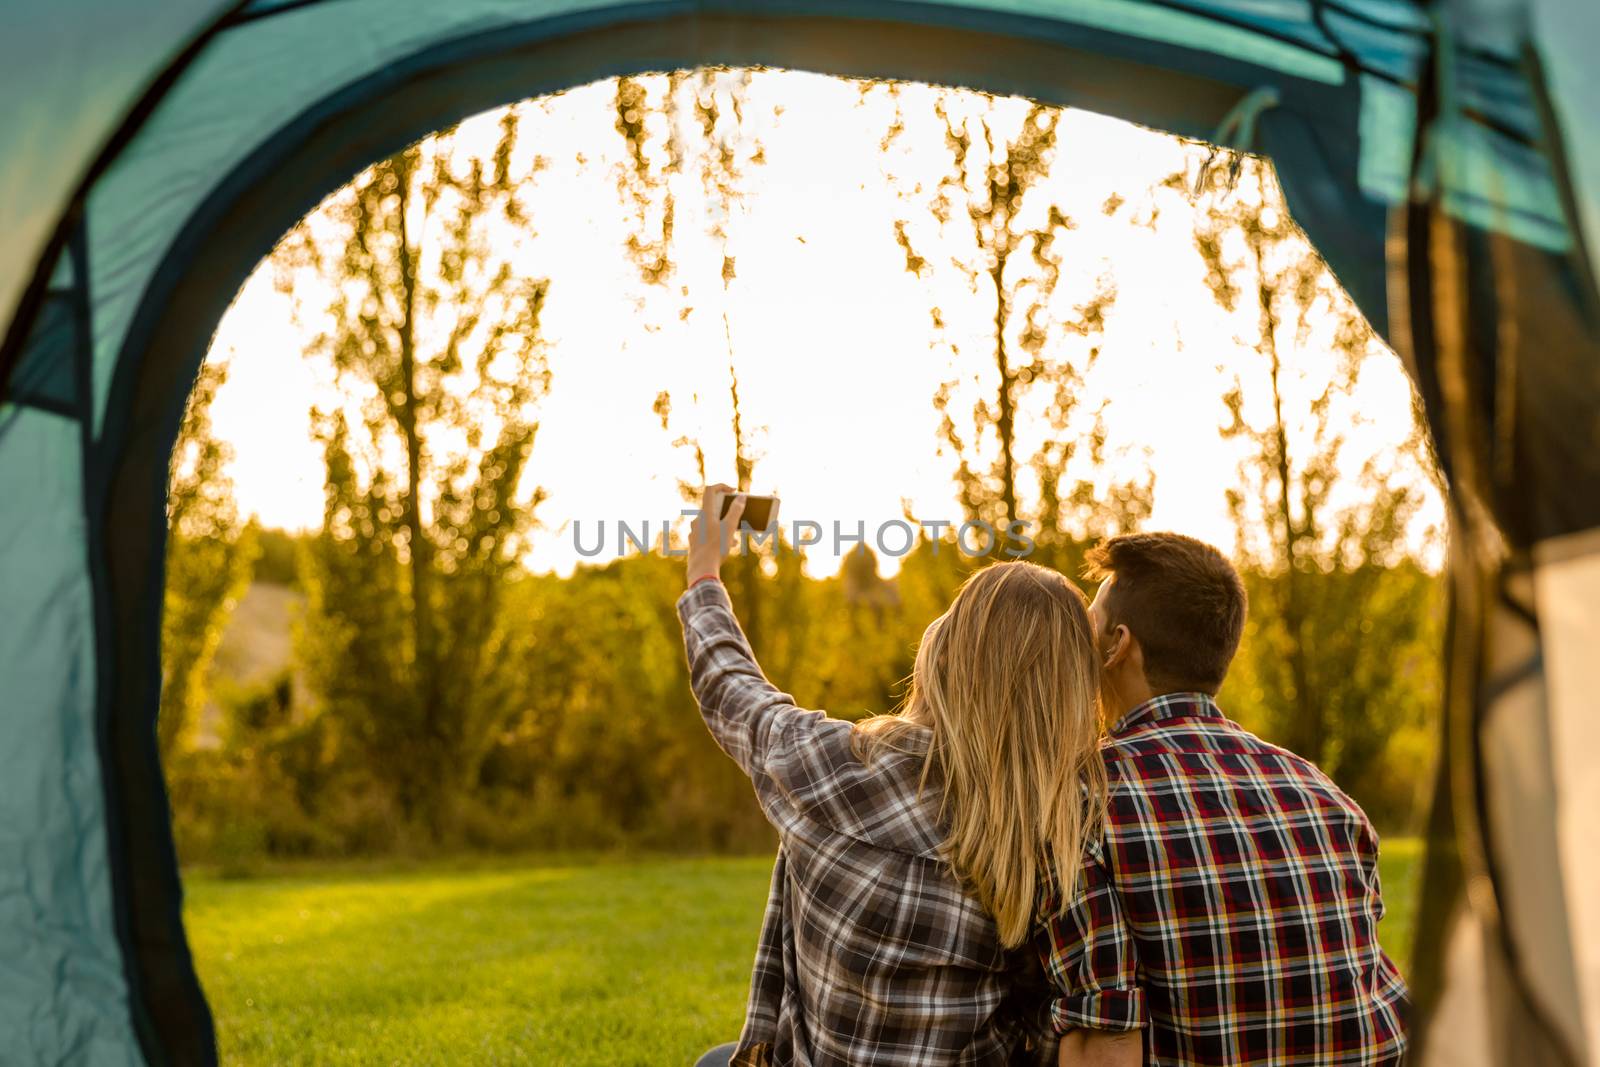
(913, 847)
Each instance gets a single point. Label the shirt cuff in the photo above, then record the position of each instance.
(703, 593)
(1110, 1009)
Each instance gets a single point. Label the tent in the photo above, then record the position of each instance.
(1444, 157)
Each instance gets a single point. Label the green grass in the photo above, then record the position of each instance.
(1400, 870)
(646, 963)
(584, 963)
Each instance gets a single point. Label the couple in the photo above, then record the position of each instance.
(1059, 850)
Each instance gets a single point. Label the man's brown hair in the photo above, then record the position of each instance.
(1181, 599)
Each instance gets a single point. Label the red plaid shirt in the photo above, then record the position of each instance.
(1231, 907)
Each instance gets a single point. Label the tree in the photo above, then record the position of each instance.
(609, 749)
(863, 650)
(209, 555)
(431, 332)
(713, 152)
(660, 157)
(1342, 650)
(991, 221)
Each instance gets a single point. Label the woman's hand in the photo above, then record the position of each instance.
(710, 537)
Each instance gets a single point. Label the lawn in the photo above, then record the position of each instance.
(607, 962)
(1400, 869)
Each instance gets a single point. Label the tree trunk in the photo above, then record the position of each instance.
(421, 611)
(1308, 724)
(746, 568)
(1005, 414)
(423, 798)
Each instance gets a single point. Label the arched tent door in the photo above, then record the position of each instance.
(253, 116)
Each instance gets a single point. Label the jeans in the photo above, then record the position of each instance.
(717, 1057)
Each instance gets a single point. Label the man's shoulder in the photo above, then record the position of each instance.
(1215, 749)
(1206, 733)
(1212, 734)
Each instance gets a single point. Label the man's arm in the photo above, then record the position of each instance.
(1089, 954)
(1101, 1048)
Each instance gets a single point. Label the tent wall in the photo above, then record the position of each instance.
(1567, 588)
(63, 998)
(1562, 37)
(1507, 343)
(62, 122)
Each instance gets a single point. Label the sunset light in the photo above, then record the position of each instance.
(831, 337)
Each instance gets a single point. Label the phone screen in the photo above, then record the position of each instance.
(759, 511)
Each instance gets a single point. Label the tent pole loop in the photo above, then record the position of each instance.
(1237, 131)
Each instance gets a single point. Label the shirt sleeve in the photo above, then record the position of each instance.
(1369, 850)
(1089, 953)
(750, 719)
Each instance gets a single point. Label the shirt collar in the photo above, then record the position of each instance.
(1169, 706)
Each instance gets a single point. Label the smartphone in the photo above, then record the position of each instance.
(759, 511)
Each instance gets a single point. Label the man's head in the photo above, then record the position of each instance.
(1168, 615)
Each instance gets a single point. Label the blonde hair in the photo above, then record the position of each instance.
(1007, 681)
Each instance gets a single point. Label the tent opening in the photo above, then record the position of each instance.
(424, 700)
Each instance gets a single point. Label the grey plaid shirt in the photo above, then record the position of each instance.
(870, 952)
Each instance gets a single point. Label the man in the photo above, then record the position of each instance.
(1230, 910)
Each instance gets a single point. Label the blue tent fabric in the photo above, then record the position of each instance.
(1445, 158)
(84, 66)
(47, 375)
(1563, 34)
(61, 968)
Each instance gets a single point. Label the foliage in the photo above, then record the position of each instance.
(601, 744)
(433, 338)
(1027, 448)
(690, 153)
(1341, 660)
(253, 796)
(686, 136)
(209, 555)
(608, 746)
(278, 561)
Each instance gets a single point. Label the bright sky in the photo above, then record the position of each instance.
(831, 336)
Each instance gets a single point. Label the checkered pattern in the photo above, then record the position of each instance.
(1232, 906)
(870, 952)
